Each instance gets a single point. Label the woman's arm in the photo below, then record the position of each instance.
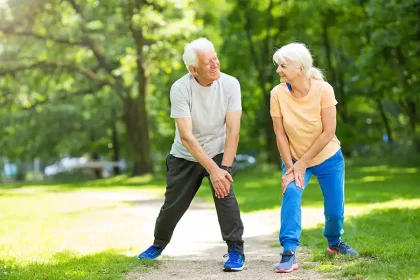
(328, 116)
(329, 123)
(284, 149)
(282, 141)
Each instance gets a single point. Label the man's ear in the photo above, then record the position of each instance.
(193, 71)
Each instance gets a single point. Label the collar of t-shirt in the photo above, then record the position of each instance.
(200, 88)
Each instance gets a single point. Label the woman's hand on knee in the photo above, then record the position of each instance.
(286, 180)
(298, 169)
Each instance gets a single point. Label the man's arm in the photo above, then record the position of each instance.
(192, 145)
(233, 125)
(220, 178)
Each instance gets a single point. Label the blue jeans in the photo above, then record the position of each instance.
(330, 175)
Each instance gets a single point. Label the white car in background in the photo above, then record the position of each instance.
(68, 164)
(245, 161)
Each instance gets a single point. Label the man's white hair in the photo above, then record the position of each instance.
(191, 49)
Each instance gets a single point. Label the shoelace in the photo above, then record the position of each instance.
(343, 245)
(234, 257)
(286, 258)
(152, 250)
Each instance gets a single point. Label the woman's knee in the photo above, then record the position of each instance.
(293, 191)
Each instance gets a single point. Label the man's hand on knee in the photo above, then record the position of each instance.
(221, 179)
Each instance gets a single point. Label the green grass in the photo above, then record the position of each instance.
(382, 220)
(62, 230)
(65, 231)
(386, 239)
(110, 264)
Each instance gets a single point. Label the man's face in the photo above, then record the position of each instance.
(208, 67)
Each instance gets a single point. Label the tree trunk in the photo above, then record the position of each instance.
(337, 79)
(273, 155)
(326, 41)
(409, 101)
(115, 143)
(21, 171)
(135, 113)
(342, 106)
(95, 157)
(265, 77)
(385, 121)
(135, 118)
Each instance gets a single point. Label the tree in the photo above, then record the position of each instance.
(59, 49)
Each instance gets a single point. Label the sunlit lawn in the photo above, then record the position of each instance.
(382, 224)
(72, 231)
(91, 230)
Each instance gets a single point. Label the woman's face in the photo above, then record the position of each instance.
(288, 71)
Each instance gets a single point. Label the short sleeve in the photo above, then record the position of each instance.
(328, 97)
(179, 104)
(234, 101)
(275, 110)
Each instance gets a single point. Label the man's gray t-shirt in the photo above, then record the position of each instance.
(207, 107)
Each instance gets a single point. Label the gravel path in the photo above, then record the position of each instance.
(196, 250)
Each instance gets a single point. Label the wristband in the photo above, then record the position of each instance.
(227, 168)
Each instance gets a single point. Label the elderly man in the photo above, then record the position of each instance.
(206, 106)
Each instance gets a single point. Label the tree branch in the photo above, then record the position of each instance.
(76, 8)
(155, 6)
(268, 44)
(92, 43)
(60, 97)
(249, 37)
(11, 32)
(268, 38)
(45, 65)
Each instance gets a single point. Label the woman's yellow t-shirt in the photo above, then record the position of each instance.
(302, 118)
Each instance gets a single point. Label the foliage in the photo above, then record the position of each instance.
(74, 73)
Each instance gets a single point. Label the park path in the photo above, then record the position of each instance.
(196, 250)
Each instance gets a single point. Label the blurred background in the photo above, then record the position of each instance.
(85, 130)
(84, 85)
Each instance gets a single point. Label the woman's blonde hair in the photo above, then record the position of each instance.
(298, 54)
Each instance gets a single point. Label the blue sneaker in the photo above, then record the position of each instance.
(235, 262)
(151, 253)
(341, 248)
(287, 262)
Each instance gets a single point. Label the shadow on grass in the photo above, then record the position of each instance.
(259, 189)
(387, 241)
(109, 264)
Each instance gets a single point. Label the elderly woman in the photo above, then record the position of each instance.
(304, 120)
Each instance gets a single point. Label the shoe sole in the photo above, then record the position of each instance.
(331, 251)
(143, 258)
(293, 268)
(334, 252)
(229, 269)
